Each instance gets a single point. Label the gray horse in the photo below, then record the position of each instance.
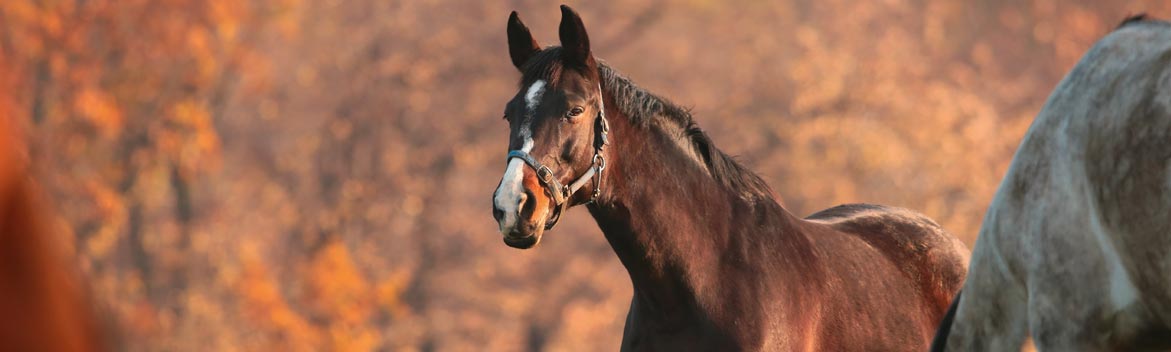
(1076, 247)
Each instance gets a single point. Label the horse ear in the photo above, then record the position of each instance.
(574, 41)
(521, 45)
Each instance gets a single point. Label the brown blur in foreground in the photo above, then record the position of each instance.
(42, 300)
(316, 175)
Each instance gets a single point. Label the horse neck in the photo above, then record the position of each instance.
(673, 225)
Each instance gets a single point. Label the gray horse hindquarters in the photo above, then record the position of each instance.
(1074, 250)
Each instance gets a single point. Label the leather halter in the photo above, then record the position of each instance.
(560, 192)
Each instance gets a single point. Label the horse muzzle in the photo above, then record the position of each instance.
(521, 233)
(522, 241)
(521, 210)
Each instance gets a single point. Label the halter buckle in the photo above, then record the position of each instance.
(545, 174)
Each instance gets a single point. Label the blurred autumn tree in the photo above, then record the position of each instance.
(295, 175)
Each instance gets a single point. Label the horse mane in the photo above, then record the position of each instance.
(643, 107)
(1132, 19)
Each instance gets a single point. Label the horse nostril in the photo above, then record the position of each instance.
(520, 203)
(497, 213)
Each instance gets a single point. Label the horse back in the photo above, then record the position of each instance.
(925, 253)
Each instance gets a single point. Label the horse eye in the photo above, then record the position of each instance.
(577, 110)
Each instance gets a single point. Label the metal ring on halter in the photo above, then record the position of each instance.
(599, 164)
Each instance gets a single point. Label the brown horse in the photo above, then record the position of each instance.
(715, 261)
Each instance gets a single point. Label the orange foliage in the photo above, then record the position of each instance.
(339, 291)
(98, 109)
(266, 306)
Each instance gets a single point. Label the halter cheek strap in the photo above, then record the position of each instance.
(560, 192)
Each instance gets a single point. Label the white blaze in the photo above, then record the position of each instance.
(533, 96)
(511, 188)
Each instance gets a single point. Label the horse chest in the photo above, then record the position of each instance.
(688, 329)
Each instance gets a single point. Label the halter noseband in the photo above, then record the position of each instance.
(561, 193)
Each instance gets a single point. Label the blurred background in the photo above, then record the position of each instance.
(316, 175)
